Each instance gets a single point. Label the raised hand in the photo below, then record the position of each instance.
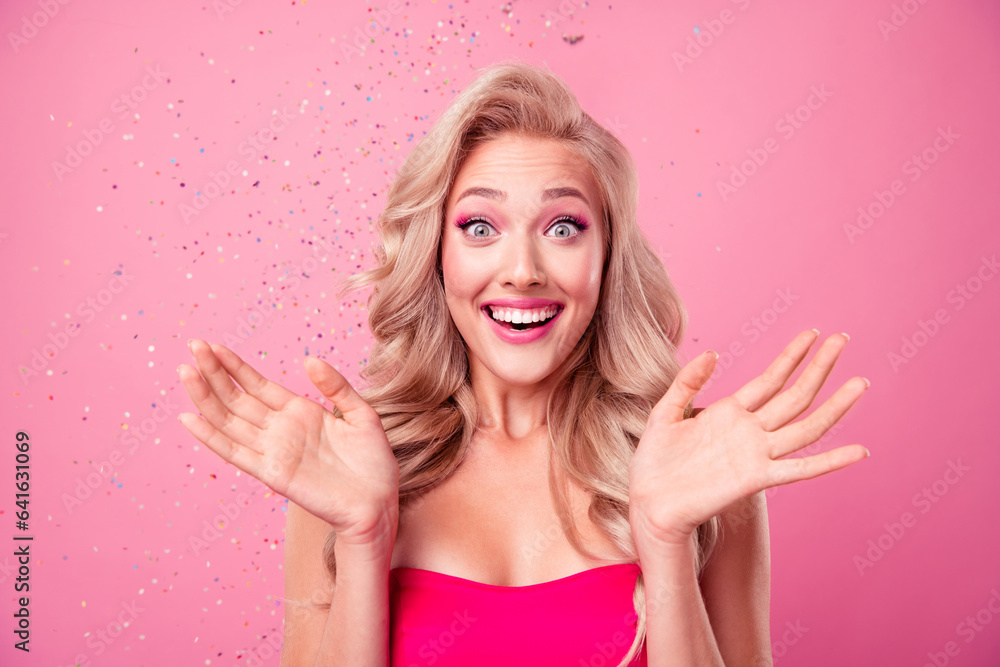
(341, 470)
(685, 471)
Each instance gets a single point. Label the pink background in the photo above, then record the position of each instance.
(102, 248)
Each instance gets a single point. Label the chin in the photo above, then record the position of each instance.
(525, 373)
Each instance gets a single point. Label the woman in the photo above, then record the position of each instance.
(527, 442)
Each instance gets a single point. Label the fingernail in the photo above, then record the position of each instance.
(867, 381)
(845, 335)
(867, 453)
(179, 368)
(816, 330)
(189, 342)
(715, 353)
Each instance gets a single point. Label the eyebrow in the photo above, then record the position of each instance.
(499, 195)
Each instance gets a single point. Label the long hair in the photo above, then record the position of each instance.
(417, 374)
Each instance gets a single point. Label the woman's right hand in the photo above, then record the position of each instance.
(340, 470)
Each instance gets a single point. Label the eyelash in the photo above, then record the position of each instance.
(581, 225)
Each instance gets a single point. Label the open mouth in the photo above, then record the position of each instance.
(536, 318)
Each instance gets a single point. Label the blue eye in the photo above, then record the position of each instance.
(566, 222)
(479, 224)
(480, 227)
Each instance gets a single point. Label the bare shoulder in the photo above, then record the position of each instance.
(736, 584)
(307, 585)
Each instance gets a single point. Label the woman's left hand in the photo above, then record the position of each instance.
(685, 471)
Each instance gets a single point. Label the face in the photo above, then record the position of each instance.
(522, 256)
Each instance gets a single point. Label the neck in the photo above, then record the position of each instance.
(510, 411)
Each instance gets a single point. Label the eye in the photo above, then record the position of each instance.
(480, 228)
(565, 227)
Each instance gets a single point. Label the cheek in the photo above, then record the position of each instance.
(462, 273)
(586, 279)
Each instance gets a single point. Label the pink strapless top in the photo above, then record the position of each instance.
(583, 620)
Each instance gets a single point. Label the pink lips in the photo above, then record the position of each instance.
(528, 335)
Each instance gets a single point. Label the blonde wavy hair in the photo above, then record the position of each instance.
(418, 369)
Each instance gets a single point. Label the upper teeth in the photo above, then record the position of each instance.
(522, 316)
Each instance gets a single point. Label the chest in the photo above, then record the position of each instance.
(494, 521)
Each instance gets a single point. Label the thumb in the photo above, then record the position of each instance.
(336, 389)
(686, 385)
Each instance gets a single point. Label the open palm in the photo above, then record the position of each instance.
(685, 471)
(340, 470)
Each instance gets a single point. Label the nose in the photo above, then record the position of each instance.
(522, 263)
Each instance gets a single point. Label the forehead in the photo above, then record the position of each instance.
(527, 164)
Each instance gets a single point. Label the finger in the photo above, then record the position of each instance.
(214, 411)
(271, 394)
(762, 388)
(242, 457)
(786, 471)
(339, 391)
(239, 402)
(685, 386)
(791, 403)
(794, 437)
